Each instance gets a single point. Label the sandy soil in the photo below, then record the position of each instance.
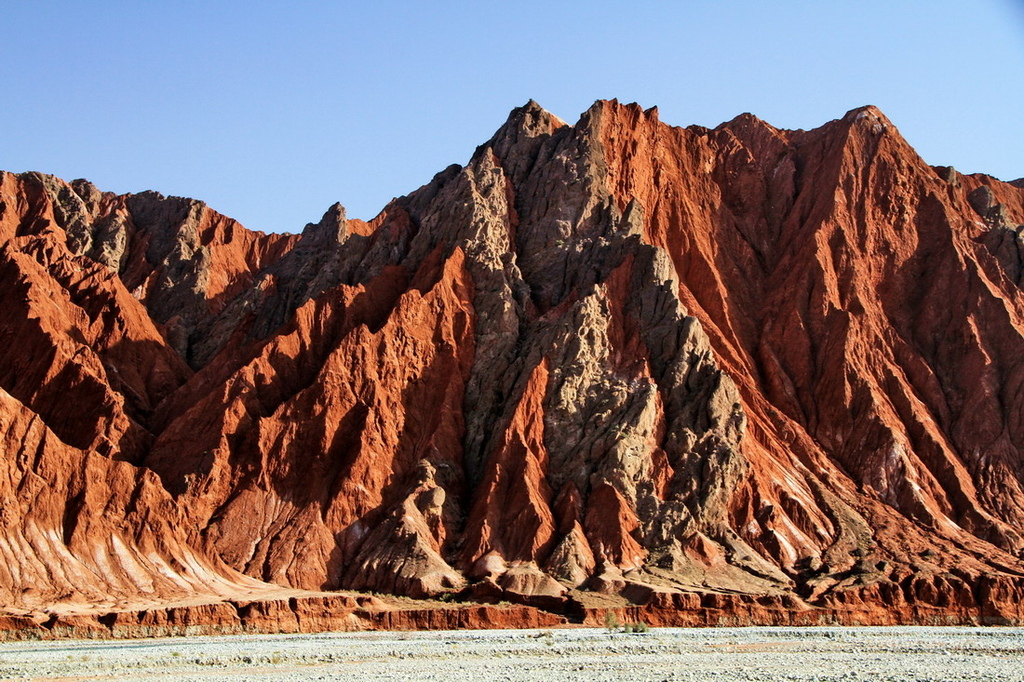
(898, 653)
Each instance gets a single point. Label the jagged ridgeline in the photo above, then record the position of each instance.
(745, 369)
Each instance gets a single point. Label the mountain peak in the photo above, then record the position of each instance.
(534, 118)
(868, 117)
(747, 375)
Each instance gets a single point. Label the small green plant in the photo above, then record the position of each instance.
(612, 624)
(611, 621)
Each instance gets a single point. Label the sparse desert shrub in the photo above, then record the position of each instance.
(611, 621)
(612, 624)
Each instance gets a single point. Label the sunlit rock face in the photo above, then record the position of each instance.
(615, 357)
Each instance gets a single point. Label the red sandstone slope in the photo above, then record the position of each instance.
(616, 356)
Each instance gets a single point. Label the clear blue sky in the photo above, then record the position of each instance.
(270, 112)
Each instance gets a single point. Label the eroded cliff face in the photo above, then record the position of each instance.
(616, 357)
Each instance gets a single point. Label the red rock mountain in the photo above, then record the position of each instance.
(692, 368)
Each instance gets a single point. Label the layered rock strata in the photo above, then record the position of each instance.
(734, 372)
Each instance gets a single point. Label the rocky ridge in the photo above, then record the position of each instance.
(773, 374)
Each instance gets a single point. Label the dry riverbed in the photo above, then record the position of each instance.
(756, 653)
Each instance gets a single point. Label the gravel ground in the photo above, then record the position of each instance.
(756, 653)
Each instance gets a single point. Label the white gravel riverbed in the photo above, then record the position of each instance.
(756, 653)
